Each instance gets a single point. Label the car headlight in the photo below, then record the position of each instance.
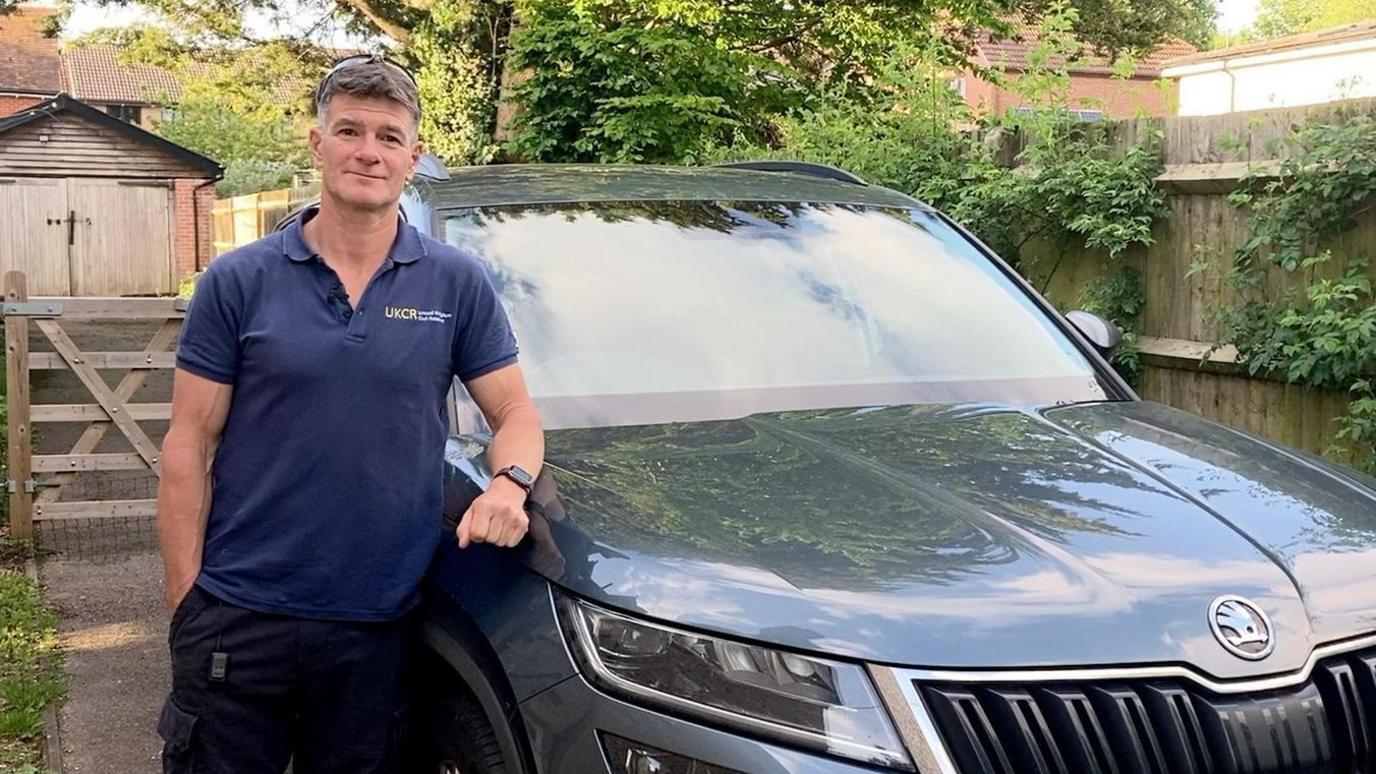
(820, 704)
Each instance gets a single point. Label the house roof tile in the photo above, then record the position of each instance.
(29, 61)
(95, 74)
(1015, 53)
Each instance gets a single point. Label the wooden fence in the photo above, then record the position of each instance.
(1205, 158)
(36, 481)
(240, 220)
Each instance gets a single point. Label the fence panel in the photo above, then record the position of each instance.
(239, 220)
(1206, 158)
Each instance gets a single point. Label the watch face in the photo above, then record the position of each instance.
(520, 475)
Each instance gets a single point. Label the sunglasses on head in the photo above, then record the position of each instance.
(358, 59)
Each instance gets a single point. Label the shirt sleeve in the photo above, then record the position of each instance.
(209, 342)
(483, 340)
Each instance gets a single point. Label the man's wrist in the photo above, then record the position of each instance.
(506, 487)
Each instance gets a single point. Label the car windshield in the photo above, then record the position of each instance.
(645, 312)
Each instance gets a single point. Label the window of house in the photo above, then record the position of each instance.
(127, 113)
(1079, 114)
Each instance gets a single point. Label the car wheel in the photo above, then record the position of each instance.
(456, 738)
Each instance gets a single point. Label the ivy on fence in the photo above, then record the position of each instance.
(1321, 331)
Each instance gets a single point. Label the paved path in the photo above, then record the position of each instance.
(104, 578)
(105, 581)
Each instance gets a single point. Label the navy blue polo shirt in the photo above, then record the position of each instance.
(328, 482)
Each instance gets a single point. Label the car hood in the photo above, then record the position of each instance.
(965, 536)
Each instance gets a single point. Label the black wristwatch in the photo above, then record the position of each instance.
(517, 474)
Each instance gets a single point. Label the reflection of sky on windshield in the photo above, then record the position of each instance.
(838, 296)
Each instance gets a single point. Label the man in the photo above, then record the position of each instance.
(302, 475)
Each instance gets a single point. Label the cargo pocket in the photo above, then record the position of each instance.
(177, 727)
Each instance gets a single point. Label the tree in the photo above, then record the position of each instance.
(1278, 18)
(247, 106)
(461, 48)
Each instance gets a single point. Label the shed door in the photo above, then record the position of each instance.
(122, 243)
(33, 233)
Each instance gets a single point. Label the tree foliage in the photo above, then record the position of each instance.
(1278, 18)
(745, 54)
(633, 91)
(246, 106)
(1068, 189)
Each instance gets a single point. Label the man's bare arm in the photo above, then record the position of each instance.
(498, 515)
(199, 410)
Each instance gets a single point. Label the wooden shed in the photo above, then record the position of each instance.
(93, 206)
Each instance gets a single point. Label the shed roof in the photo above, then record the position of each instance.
(63, 102)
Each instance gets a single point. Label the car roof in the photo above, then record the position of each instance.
(516, 184)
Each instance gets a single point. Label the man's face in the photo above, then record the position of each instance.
(366, 149)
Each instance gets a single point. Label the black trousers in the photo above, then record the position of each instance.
(252, 691)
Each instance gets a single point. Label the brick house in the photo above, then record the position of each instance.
(30, 64)
(1094, 92)
(34, 68)
(129, 91)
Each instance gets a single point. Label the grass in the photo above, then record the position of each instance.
(30, 662)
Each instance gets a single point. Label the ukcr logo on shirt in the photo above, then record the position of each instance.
(417, 315)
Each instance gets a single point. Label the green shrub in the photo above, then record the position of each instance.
(1323, 335)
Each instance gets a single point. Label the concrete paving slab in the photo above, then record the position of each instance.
(114, 631)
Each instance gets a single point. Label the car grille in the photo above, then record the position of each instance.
(1164, 726)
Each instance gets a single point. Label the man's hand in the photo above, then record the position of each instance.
(497, 516)
(175, 594)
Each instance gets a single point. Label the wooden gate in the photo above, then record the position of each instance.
(88, 236)
(35, 481)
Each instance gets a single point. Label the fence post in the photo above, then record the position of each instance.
(17, 391)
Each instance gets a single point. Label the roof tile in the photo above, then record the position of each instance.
(29, 61)
(95, 74)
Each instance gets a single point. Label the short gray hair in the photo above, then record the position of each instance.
(369, 78)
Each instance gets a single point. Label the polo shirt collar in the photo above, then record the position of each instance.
(406, 248)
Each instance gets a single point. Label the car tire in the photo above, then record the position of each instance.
(456, 738)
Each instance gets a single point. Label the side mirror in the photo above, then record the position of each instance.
(1103, 334)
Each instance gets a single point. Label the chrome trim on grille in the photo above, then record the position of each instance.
(1078, 674)
(912, 721)
(929, 752)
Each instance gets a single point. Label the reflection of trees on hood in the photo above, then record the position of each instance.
(1004, 462)
(1219, 459)
(870, 498)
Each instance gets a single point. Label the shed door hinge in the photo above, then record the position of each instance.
(12, 486)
